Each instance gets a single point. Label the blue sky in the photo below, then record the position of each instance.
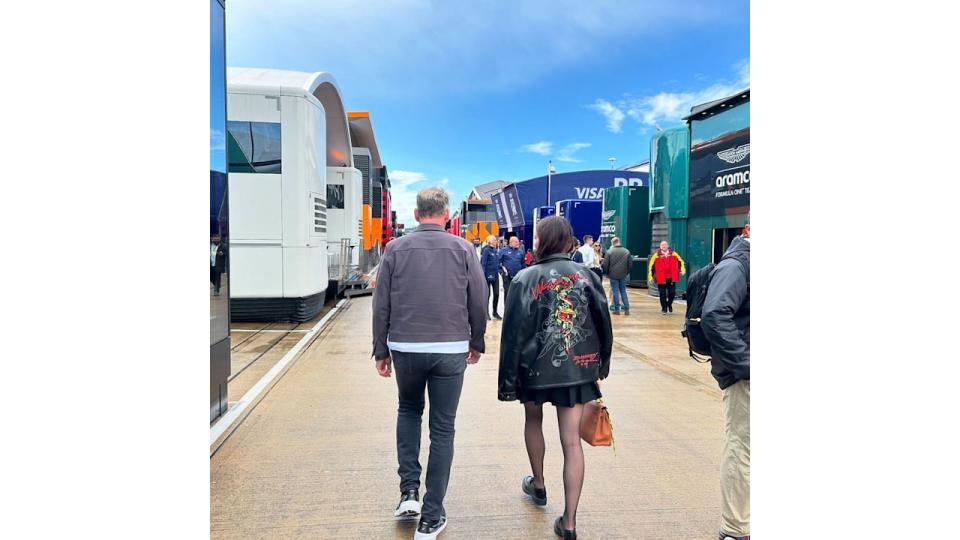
(462, 93)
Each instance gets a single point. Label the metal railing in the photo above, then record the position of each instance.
(341, 264)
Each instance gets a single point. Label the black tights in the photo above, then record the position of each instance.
(573, 466)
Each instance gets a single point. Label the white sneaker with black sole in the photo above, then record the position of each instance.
(410, 504)
(429, 530)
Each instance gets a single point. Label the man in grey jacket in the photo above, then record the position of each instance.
(429, 317)
(617, 265)
(726, 325)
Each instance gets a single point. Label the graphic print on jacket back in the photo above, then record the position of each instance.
(563, 328)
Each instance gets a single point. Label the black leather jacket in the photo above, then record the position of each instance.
(556, 328)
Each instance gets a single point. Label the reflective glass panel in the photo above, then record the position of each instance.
(253, 147)
(708, 129)
(334, 196)
(219, 230)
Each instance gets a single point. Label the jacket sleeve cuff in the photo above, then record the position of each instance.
(477, 345)
(507, 396)
(380, 353)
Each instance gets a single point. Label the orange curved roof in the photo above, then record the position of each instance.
(362, 136)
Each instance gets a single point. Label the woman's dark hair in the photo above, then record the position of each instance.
(554, 235)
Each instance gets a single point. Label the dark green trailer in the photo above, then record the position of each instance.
(626, 214)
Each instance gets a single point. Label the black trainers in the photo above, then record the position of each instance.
(725, 536)
(670, 308)
(429, 529)
(409, 504)
(561, 532)
(539, 496)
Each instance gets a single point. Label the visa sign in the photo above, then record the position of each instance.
(597, 192)
(589, 192)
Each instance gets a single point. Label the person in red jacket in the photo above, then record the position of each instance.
(666, 267)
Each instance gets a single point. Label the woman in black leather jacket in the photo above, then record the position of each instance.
(554, 346)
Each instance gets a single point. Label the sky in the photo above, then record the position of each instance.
(463, 93)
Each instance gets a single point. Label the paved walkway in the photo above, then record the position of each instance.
(316, 458)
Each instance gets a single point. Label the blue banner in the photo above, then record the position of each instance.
(532, 193)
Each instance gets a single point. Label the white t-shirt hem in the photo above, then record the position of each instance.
(441, 347)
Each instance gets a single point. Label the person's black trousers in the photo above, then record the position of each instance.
(667, 292)
(495, 293)
(215, 278)
(599, 273)
(442, 377)
(506, 290)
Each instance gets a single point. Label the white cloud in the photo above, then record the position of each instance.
(609, 111)
(743, 68)
(404, 186)
(671, 107)
(544, 148)
(565, 154)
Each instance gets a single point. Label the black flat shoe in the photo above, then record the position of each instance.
(539, 496)
(561, 532)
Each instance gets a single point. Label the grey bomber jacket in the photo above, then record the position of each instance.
(429, 288)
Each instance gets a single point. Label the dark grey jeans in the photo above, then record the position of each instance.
(442, 376)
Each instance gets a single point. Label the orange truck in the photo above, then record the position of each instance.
(478, 219)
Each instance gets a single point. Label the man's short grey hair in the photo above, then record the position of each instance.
(432, 201)
(615, 241)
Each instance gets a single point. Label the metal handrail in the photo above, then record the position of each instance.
(345, 256)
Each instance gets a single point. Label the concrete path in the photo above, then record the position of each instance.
(317, 458)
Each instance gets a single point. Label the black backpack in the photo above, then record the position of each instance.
(697, 287)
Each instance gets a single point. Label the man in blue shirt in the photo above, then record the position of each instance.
(511, 262)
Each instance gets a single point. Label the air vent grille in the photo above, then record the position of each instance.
(377, 205)
(319, 215)
(362, 162)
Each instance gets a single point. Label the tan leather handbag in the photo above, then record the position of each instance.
(596, 429)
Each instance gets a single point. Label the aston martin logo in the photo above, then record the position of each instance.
(607, 214)
(735, 155)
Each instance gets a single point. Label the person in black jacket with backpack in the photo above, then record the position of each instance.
(555, 345)
(725, 321)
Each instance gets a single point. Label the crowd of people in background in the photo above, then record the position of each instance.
(502, 259)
